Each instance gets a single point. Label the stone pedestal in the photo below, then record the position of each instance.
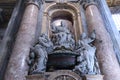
(106, 57)
(36, 77)
(62, 75)
(17, 68)
(94, 77)
(57, 75)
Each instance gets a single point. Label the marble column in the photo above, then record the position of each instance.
(9, 35)
(106, 57)
(17, 67)
(110, 26)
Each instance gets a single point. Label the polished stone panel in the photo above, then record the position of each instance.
(35, 77)
(17, 68)
(94, 77)
(106, 57)
(56, 75)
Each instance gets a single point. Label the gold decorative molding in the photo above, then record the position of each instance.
(113, 2)
(110, 2)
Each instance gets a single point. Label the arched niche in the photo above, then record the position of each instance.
(61, 14)
(65, 16)
(68, 11)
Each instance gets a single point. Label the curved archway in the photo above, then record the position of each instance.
(66, 11)
(62, 14)
(64, 5)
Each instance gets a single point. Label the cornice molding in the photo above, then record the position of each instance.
(86, 3)
(110, 2)
(113, 2)
(35, 2)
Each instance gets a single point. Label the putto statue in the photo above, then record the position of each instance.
(87, 60)
(62, 37)
(39, 55)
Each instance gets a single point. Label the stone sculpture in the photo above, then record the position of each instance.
(87, 60)
(62, 41)
(62, 37)
(39, 54)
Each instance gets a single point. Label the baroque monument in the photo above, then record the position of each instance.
(62, 45)
(61, 40)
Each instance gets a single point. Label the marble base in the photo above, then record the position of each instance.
(57, 75)
(36, 77)
(94, 77)
(62, 75)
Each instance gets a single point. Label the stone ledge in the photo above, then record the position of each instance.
(36, 77)
(94, 77)
(62, 73)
